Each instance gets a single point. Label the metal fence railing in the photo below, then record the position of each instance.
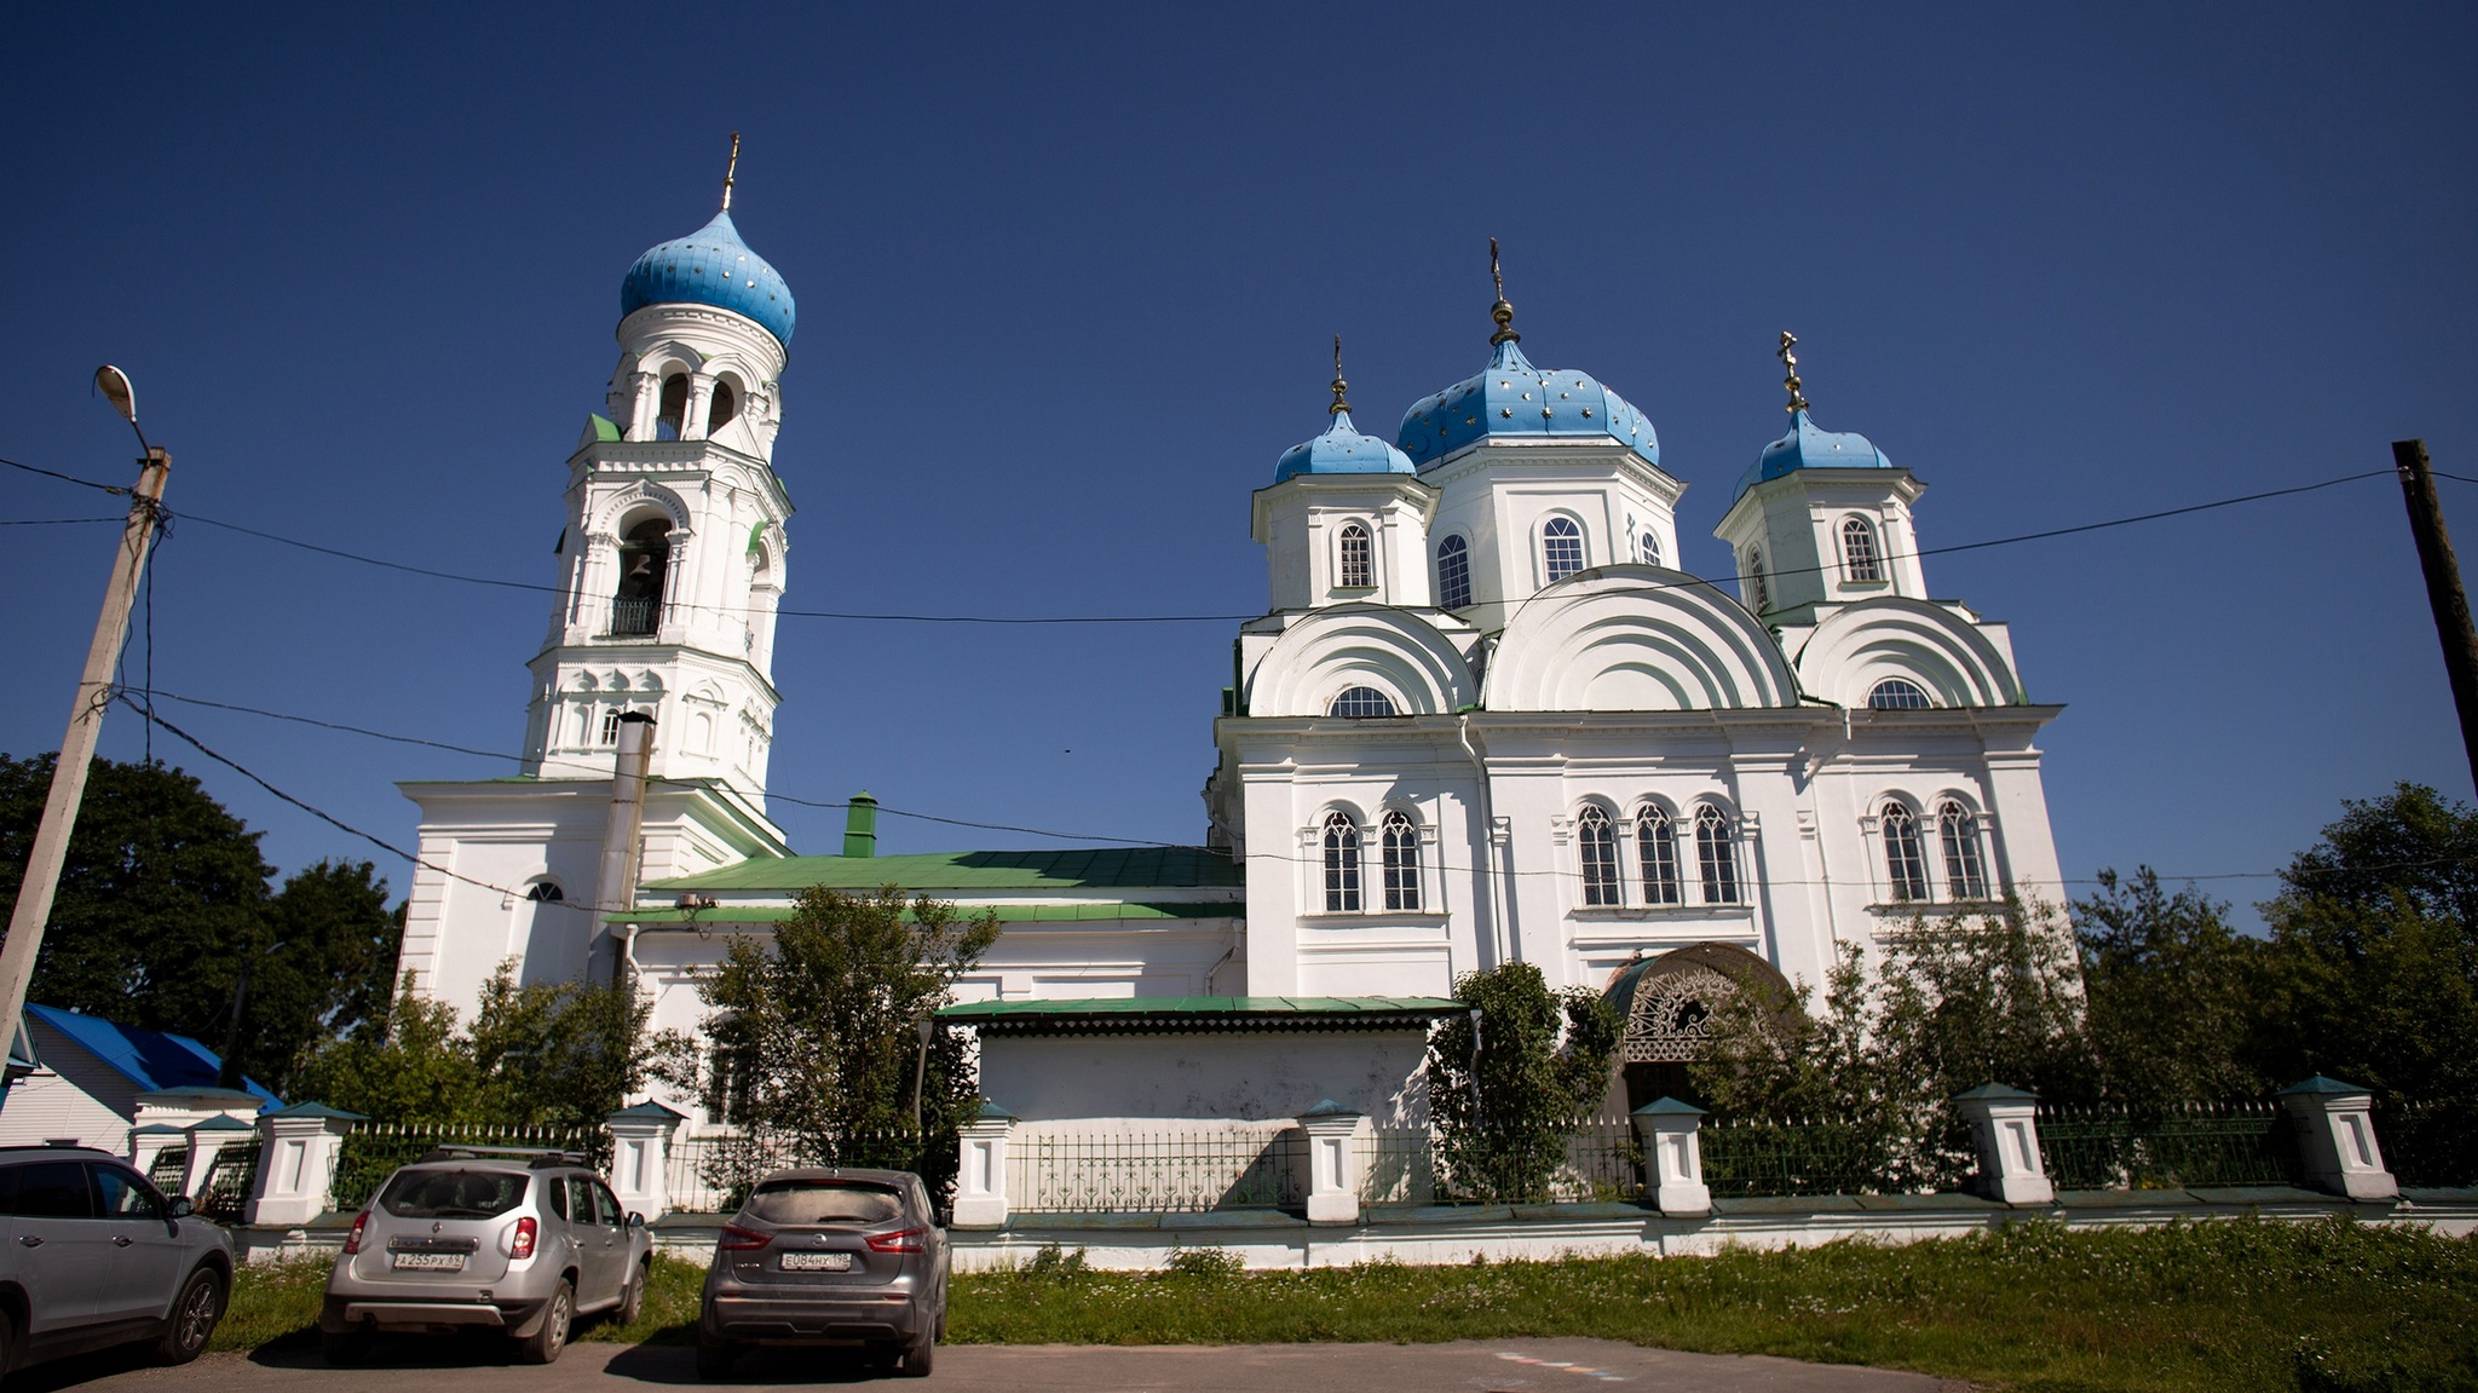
(712, 1172)
(2216, 1144)
(230, 1182)
(1745, 1157)
(1598, 1159)
(373, 1150)
(169, 1171)
(2429, 1144)
(1156, 1170)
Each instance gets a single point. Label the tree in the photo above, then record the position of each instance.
(1947, 1006)
(1502, 1093)
(164, 921)
(2176, 996)
(823, 1027)
(564, 1054)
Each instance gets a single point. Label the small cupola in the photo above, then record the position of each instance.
(1346, 517)
(713, 267)
(1342, 449)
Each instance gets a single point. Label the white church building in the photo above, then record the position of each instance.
(1484, 719)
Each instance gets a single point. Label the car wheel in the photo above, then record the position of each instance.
(8, 1343)
(551, 1336)
(346, 1349)
(919, 1353)
(714, 1357)
(632, 1298)
(194, 1314)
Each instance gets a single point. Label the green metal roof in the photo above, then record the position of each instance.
(1184, 1015)
(1115, 911)
(1161, 867)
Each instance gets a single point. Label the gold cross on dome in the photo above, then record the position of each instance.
(1789, 362)
(730, 169)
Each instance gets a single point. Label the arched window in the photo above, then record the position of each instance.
(1402, 861)
(1899, 694)
(1905, 867)
(1965, 877)
(1355, 565)
(1453, 573)
(1757, 599)
(1648, 549)
(1600, 856)
(725, 405)
(546, 892)
(610, 725)
(1859, 560)
(1656, 845)
(1361, 703)
(673, 409)
(1561, 549)
(1341, 865)
(1716, 855)
(644, 559)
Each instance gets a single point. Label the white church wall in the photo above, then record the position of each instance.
(1124, 1081)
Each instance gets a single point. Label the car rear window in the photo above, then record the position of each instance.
(824, 1202)
(452, 1194)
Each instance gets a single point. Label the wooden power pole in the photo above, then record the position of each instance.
(2443, 589)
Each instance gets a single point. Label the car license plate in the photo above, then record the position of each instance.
(817, 1262)
(430, 1262)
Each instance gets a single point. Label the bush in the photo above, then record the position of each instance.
(1053, 1263)
(1211, 1264)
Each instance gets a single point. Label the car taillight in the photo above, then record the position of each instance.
(900, 1241)
(527, 1230)
(352, 1241)
(739, 1240)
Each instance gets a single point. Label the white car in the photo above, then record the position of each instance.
(91, 1255)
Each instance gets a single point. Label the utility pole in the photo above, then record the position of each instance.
(2443, 588)
(77, 747)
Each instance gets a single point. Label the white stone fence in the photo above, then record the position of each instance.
(1329, 1163)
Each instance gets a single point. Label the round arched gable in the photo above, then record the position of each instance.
(1636, 638)
(1395, 652)
(1860, 646)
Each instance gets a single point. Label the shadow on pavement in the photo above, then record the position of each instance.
(82, 1368)
(651, 1363)
(474, 1349)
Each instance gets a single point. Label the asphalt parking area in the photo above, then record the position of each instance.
(1474, 1366)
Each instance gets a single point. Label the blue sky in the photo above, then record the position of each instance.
(1066, 278)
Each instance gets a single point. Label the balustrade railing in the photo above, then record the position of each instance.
(634, 618)
(1155, 1170)
(2216, 1144)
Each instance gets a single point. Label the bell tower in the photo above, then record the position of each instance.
(672, 562)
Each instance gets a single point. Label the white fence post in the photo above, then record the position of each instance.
(2336, 1138)
(1334, 1146)
(981, 1176)
(1673, 1153)
(147, 1144)
(298, 1149)
(2004, 1124)
(641, 1157)
(207, 1139)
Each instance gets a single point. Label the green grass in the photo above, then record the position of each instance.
(2229, 1305)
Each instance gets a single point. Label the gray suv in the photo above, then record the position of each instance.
(508, 1239)
(92, 1255)
(828, 1257)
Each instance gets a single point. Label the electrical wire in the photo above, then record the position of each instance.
(1317, 860)
(66, 478)
(52, 522)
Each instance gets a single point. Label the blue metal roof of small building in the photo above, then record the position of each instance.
(1513, 398)
(1342, 449)
(711, 266)
(1805, 446)
(155, 1060)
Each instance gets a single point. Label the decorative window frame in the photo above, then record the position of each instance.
(1983, 841)
(1371, 843)
(1341, 555)
(1610, 820)
(1753, 591)
(1740, 846)
(1437, 566)
(1631, 841)
(1540, 546)
(1873, 532)
(1889, 890)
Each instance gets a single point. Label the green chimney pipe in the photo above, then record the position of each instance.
(860, 826)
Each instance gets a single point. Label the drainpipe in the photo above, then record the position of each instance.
(1222, 961)
(615, 890)
(1488, 842)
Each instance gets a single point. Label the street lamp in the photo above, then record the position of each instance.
(94, 693)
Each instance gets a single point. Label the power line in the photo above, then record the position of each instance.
(66, 478)
(52, 522)
(855, 616)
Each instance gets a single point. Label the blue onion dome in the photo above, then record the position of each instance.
(1341, 449)
(1515, 399)
(1807, 446)
(711, 266)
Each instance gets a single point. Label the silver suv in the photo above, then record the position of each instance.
(828, 1257)
(509, 1239)
(92, 1255)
